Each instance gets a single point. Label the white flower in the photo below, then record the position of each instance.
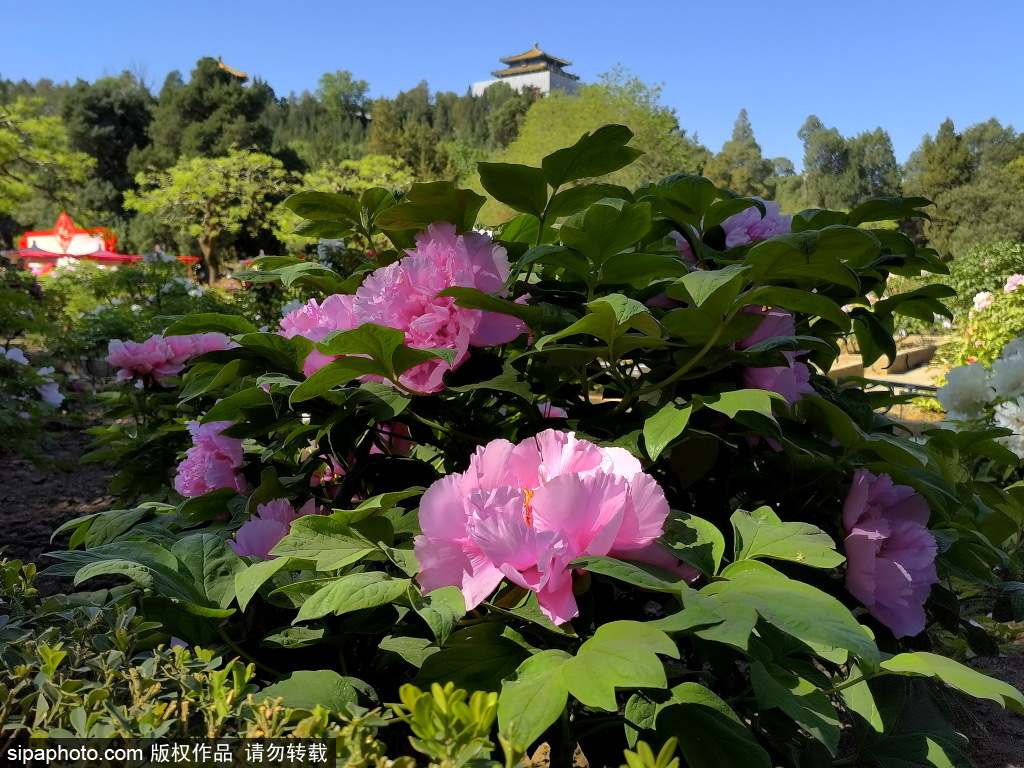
(1014, 349)
(982, 300)
(1010, 415)
(967, 390)
(14, 354)
(1008, 376)
(49, 392)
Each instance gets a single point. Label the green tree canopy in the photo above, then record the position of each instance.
(342, 95)
(36, 156)
(559, 119)
(347, 177)
(212, 199)
(108, 119)
(740, 167)
(205, 117)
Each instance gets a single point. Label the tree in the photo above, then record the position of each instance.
(342, 95)
(212, 199)
(829, 179)
(348, 177)
(740, 167)
(559, 120)
(205, 117)
(873, 160)
(107, 120)
(36, 156)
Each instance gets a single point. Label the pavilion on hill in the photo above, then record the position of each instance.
(533, 69)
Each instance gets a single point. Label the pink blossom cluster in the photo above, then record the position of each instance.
(890, 552)
(212, 462)
(161, 357)
(748, 226)
(523, 512)
(404, 295)
(791, 380)
(1012, 283)
(983, 300)
(267, 526)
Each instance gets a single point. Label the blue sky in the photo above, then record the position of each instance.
(903, 64)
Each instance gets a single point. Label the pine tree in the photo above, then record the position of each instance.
(740, 167)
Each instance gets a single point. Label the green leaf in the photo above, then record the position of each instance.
(212, 566)
(433, 201)
(795, 607)
(323, 206)
(471, 298)
(209, 322)
(606, 228)
(956, 675)
(858, 698)
(710, 734)
(639, 269)
(248, 581)
(521, 187)
(664, 426)
(235, 407)
(731, 403)
(329, 542)
(795, 257)
(621, 654)
(534, 698)
(308, 689)
(594, 154)
(799, 699)
(811, 304)
(762, 534)
(352, 593)
(477, 659)
(441, 609)
(609, 318)
(699, 287)
(638, 574)
(888, 209)
(873, 338)
(695, 541)
(333, 374)
(576, 199)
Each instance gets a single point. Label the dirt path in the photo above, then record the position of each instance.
(35, 501)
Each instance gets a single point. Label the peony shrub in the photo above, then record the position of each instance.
(587, 469)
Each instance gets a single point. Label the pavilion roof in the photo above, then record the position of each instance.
(533, 54)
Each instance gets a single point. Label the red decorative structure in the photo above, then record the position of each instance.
(39, 251)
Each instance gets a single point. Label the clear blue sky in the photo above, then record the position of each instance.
(902, 64)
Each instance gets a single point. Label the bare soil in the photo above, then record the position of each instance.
(36, 500)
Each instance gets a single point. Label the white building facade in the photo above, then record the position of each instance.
(533, 69)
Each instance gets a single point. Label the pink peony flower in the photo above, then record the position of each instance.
(404, 295)
(792, 380)
(685, 249)
(212, 462)
(551, 411)
(890, 553)
(1012, 283)
(524, 512)
(268, 525)
(161, 357)
(748, 226)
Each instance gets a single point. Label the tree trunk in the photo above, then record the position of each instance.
(208, 247)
